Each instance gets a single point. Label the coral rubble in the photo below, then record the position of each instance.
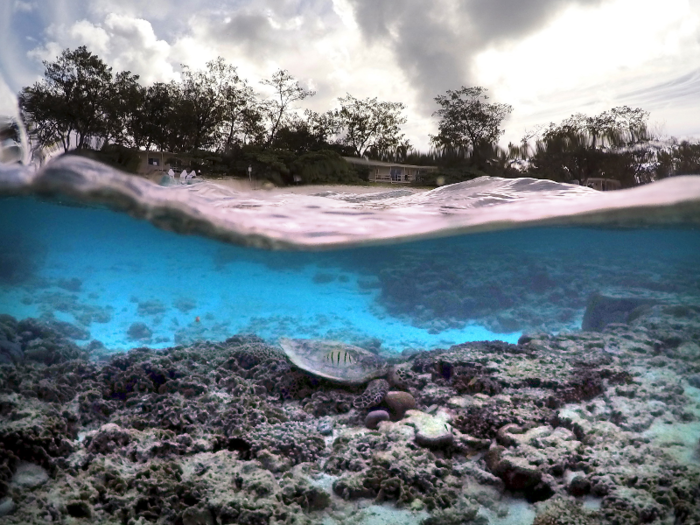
(233, 433)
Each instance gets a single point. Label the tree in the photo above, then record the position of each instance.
(610, 145)
(467, 123)
(618, 127)
(69, 102)
(46, 129)
(241, 117)
(122, 107)
(370, 125)
(198, 105)
(287, 90)
(679, 159)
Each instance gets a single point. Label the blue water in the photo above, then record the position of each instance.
(104, 271)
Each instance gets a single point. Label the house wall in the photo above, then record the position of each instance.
(394, 174)
(601, 184)
(154, 162)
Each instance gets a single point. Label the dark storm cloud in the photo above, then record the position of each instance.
(435, 42)
(251, 30)
(510, 19)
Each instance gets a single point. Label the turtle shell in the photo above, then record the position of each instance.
(340, 362)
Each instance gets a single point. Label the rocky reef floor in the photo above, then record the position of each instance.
(596, 427)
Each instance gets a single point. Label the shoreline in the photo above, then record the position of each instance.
(310, 189)
(244, 185)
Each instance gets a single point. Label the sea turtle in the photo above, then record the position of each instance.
(344, 364)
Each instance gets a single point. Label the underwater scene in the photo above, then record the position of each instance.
(500, 351)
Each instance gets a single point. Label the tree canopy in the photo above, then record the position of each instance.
(467, 122)
(276, 109)
(71, 102)
(368, 124)
(213, 113)
(603, 145)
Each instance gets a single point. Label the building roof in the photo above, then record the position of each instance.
(381, 164)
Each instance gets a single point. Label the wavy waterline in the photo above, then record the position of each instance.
(331, 220)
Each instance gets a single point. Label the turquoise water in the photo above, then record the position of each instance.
(104, 271)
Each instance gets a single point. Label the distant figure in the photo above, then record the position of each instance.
(183, 176)
(188, 178)
(193, 174)
(171, 174)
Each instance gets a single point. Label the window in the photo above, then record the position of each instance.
(153, 161)
(396, 174)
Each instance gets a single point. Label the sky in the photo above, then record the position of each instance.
(548, 59)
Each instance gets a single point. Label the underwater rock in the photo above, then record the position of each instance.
(516, 473)
(139, 332)
(694, 380)
(386, 465)
(36, 434)
(295, 440)
(504, 437)
(273, 462)
(297, 489)
(151, 308)
(29, 475)
(325, 428)
(561, 511)
(42, 342)
(184, 305)
(462, 512)
(70, 330)
(327, 404)
(248, 354)
(10, 351)
(197, 516)
(398, 403)
(79, 509)
(107, 439)
(432, 431)
(375, 417)
(579, 486)
(602, 310)
(7, 507)
(71, 285)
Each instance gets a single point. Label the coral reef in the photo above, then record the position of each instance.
(234, 433)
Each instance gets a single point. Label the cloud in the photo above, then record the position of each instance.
(23, 7)
(319, 46)
(123, 42)
(548, 58)
(639, 48)
(8, 101)
(435, 46)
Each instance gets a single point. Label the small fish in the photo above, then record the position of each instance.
(338, 357)
(196, 319)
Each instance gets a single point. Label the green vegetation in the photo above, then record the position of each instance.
(216, 119)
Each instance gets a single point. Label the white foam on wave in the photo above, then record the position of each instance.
(327, 220)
